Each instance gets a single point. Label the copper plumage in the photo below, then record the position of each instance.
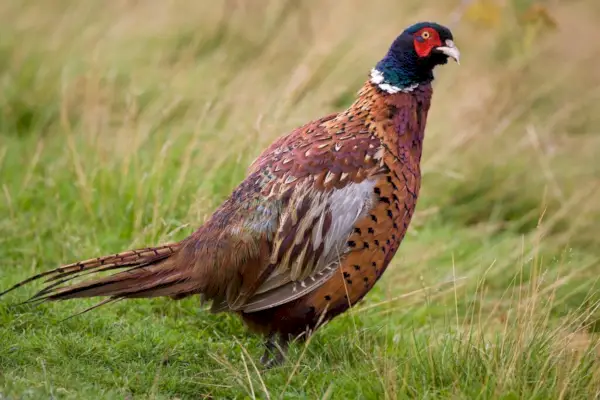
(315, 223)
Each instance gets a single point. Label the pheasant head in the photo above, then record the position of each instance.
(412, 57)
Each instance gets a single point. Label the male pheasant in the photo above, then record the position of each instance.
(313, 226)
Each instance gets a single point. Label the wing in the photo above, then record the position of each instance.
(309, 189)
(311, 239)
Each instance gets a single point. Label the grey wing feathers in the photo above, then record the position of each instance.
(308, 247)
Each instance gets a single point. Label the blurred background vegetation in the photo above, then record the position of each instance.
(124, 123)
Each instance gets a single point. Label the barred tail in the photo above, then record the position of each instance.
(150, 272)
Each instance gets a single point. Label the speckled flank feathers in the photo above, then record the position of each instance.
(310, 230)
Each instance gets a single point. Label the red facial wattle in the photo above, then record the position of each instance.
(426, 40)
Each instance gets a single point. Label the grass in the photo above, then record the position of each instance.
(125, 124)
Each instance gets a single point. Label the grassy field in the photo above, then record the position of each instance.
(125, 123)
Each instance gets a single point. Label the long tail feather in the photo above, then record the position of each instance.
(99, 304)
(128, 283)
(133, 277)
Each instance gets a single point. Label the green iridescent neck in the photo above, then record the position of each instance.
(394, 75)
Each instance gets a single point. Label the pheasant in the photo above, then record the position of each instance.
(313, 226)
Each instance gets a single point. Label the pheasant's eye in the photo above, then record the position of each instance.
(425, 35)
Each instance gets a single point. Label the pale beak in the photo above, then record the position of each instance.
(450, 50)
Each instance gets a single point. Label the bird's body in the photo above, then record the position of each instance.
(367, 185)
(313, 226)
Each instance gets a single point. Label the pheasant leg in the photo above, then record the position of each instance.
(275, 351)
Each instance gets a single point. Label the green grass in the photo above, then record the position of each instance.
(124, 124)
